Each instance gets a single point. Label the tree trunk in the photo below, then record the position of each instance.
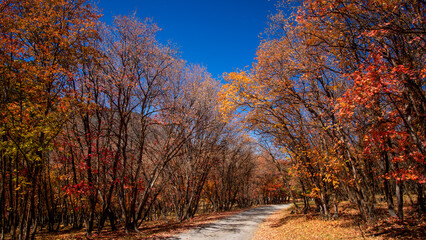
(386, 183)
(389, 199)
(420, 199)
(399, 199)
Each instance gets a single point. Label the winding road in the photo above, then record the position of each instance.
(239, 226)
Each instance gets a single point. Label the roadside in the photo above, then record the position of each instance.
(161, 229)
(285, 225)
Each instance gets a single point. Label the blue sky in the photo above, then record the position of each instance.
(222, 35)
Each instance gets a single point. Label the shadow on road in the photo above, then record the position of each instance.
(238, 226)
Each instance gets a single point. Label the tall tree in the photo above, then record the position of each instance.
(40, 47)
(337, 85)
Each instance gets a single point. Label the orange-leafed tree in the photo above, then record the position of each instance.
(340, 88)
(41, 44)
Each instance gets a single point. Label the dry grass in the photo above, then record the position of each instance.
(286, 225)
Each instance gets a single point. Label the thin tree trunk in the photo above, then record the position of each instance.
(387, 189)
(420, 198)
(399, 199)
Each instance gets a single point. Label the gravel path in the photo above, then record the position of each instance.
(239, 226)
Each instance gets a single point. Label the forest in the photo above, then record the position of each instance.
(104, 126)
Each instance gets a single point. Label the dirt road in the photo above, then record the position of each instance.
(239, 226)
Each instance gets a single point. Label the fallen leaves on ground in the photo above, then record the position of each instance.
(149, 230)
(284, 225)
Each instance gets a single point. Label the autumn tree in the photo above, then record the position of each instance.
(231, 180)
(136, 70)
(39, 49)
(193, 117)
(336, 86)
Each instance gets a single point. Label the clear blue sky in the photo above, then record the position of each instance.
(222, 35)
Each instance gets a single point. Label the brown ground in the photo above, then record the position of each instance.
(280, 226)
(149, 230)
(285, 225)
